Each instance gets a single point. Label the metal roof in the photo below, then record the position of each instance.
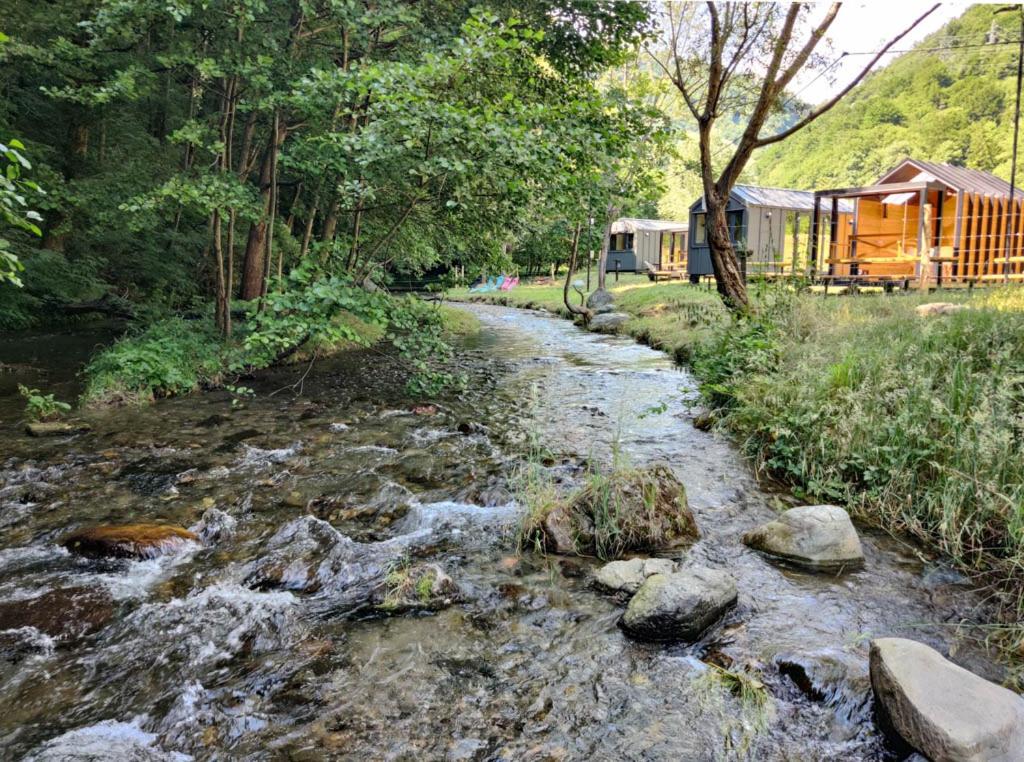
(783, 198)
(780, 198)
(958, 178)
(635, 224)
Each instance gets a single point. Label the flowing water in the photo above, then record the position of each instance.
(259, 642)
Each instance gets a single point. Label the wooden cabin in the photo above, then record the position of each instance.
(770, 228)
(638, 245)
(930, 224)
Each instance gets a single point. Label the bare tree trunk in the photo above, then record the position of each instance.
(308, 233)
(728, 278)
(611, 214)
(573, 255)
(255, 263)
(223, 314)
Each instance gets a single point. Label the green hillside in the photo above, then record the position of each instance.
(953, 106)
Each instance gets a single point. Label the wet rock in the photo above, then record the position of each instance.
(424, 409)
(471, 427)
(600, 298)
(417, 588)
(813, 536)
(129, 540)
(311, 556)
(217, 419)
(679, 606)
(627, 576)
(704, 421)
(65, 614)
(938, 308)
(941, 709)
(214, 526)
(633, 510)
(105, 740)
(54, 428)
(608, 322)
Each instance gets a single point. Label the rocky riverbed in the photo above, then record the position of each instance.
(347, 584)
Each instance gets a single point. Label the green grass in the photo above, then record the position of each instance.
(916, 424)
(172, 356)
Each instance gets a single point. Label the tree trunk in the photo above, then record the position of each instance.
(573, 255)
(254, 265)
(728, 278)
(611, 214)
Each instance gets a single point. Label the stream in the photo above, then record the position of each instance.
(258, 642)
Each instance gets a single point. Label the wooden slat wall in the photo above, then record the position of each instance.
(983, 236)
(1018, 226)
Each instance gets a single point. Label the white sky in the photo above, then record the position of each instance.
(866, 26)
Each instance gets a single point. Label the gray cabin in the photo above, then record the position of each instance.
(770, 227)
(637, 243)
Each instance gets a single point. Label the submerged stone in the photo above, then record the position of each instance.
(680, 606)
(129, 540)
(64, 614)
(813, 536)
(627, 576)
(54, 428)
(941, 709)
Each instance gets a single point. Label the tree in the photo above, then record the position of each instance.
(740, 58)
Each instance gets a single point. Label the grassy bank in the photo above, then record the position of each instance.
(175, 356)
(915, 423)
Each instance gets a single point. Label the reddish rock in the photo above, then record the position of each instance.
(129, 540)
(64, 614)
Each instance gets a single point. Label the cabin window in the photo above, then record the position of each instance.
(622, 241)
(700, 229)
(737, 233)
(666, 248)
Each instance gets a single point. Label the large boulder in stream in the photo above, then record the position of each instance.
(608, 322)
(129, 540)
(942, 710)
(627, 511)
(680, 606)
(818, 537)
(626, 577)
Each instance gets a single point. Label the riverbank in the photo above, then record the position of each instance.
(316, 513)
(912, 422)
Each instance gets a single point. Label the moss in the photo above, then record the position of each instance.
(625, 510)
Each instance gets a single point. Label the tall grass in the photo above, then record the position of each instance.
(915, 423)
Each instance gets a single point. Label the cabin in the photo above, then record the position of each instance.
(930, 224)
(769, 227)
(639, 245)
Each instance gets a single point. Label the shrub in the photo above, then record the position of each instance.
(173, 356)
(42, 407)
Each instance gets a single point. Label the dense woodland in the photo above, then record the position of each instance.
(381, 139)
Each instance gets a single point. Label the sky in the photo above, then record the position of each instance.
(866, 26)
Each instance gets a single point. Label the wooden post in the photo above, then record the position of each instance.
(833, 229)
(937, 238)
(815, 226)
(924, 219)
(957, 230)
(924, 251)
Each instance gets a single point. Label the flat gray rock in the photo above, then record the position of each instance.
(814, 536)
(608, 322)
(942, 710)
(679, 606)
(627, 576)
(600, 298)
